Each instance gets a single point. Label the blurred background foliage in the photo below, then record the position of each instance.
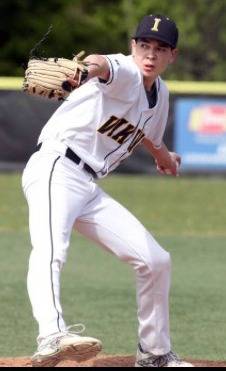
(106, 26)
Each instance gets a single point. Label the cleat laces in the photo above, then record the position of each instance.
(172, 357)
(159, 361)
(52, 342)
(80, 326)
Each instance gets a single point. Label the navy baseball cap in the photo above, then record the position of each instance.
(158, 27)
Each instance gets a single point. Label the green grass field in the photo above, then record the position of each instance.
(187, 216)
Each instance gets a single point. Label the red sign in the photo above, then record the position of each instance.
(210, 119)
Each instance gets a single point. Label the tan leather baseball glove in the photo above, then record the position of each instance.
(47, 77)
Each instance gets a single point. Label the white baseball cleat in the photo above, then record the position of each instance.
(65, 346)
(170, 359)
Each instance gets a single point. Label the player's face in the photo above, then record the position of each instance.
(152, 57)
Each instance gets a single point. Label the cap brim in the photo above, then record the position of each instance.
(154, 37)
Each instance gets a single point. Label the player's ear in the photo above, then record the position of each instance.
(132, 46)
(173, 56)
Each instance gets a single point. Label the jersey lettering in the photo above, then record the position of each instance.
(123, 134)
(136, 140)
(126, 129)
(156, 25)
(111, 125)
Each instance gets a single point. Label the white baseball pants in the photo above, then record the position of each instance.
(61, 196)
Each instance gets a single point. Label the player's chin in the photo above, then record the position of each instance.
(150, 73)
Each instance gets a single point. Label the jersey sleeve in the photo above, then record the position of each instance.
(123, 79)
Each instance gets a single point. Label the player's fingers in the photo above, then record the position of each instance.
(73, 82)
(178, 160)
(69, 84)
(160, 170)
(173, 171)
(176, 170)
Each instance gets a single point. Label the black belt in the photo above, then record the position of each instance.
(75, 158)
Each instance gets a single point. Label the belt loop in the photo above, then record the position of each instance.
(81, 164)
(90, 170)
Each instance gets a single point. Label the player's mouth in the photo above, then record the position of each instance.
(149, 67)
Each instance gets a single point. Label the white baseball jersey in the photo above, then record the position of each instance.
(118, 117)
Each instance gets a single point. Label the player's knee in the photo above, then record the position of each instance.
(163, 262)
(157, 264)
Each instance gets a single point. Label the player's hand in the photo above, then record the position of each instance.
(73, 81)
(70, 83)
(172, 167)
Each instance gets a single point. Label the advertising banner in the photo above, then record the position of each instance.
(200, 133)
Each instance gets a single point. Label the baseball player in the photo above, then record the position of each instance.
(122, 103)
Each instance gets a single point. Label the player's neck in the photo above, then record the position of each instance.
(148, 83)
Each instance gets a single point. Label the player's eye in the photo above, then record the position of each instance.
(144, 46)
(161, 49)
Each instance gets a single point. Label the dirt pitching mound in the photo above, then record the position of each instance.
(101, 361)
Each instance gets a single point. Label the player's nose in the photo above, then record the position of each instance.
(151, 54)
